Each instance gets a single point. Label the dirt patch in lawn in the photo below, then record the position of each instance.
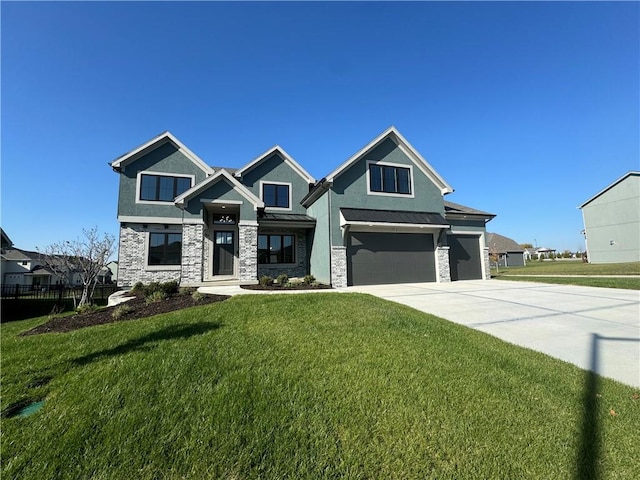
(137, 308)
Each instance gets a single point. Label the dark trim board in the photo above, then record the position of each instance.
(381, 258)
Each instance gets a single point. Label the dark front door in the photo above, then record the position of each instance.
(379, 258)
(223, 253)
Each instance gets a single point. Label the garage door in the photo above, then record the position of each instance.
(465, 261)
(378, 258)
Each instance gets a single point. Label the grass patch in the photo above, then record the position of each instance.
(625, 283)
(572, 267)
(305, 386)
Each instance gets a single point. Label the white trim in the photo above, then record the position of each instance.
(388, 194)
(247, 223)
(159, 220)
(277, 209)
(158, 174)
(406, 148)
(221, 202)
(295, 166)
(122, 161)
(181, 200)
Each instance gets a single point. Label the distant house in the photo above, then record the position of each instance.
(113, 268)
(507, 251)
(612, 222)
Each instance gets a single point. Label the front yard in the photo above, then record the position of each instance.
(305, 386)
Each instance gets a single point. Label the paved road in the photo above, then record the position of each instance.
(568, 322)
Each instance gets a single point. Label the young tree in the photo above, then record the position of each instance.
(84, 256)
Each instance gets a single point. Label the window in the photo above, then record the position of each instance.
(389, 179)
(165, 248)
(275, 195)
(161, 188)
(276, 249)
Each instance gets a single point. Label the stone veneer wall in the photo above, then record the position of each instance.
(487, 264)
(338, 266)
(132, 258)
(248, 252)
(192, 254)
(442, 262)
(297, 270)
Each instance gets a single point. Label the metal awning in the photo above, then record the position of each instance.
(360, 216)
(286, 220)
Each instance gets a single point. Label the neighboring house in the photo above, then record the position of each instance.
(612, 222)
(380, 217)
(113, 268)
(508, 252)
(24, 267)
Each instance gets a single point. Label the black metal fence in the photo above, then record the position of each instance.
(52, 292)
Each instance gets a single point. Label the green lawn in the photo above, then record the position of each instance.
(572, 267)
(625, 283)
(306, 386)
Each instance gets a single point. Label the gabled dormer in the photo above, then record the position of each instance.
(153, 175)
(277, 180)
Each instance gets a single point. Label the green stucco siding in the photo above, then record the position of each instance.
(350, 188)
(221, 190)
(320, 249)
(164, 159)
(275, 169)
(612, 223)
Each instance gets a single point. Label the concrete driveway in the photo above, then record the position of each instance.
(594, 328)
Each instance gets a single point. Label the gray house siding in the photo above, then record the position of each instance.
(221, 190)
(164, 159)
(319, 259)
(612, 223)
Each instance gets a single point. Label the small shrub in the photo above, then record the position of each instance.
(155, 297)
(266, 280)
(170, 288)
(138, 287)
(309, 280)
(120, 311)
(196, 296)
(282, 279)
(186, 290)
(87, 308)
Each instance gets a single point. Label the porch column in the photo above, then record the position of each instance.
(486, 271)
(248, 250)
(338, 266)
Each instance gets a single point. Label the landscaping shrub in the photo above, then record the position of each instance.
(309, 280)
(156, 296)
(120, 311)
(170, 288)
(196, 296)
(186, 290)
(138, 287)
(266, 280)
(87, 308)
(282, 279)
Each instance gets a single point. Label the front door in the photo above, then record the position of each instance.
(223, 253)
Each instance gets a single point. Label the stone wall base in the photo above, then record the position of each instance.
(338, 266)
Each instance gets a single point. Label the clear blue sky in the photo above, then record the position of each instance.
(526, 109)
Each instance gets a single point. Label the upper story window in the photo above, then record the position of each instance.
(162, 188)
(391, 179)
(277, 195)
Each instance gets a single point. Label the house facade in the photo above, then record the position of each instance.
(612, 222)
(507, 251)
(380, 217)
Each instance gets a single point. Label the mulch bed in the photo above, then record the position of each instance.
(295, 286)
(139, 309)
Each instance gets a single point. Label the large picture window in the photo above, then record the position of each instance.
(275, 195)
(389, 179)
(276, 249)
(165, 248)
(162, 188)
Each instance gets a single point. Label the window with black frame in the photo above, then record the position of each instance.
(165, 248)
(162, 188)
(275, 195)
(389, 179)
(274, 249)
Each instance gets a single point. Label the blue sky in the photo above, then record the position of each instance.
(526, 109)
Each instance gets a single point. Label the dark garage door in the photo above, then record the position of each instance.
(465, 261)
(378, 258)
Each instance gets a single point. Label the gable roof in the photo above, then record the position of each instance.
(455, 209)
(158, 141)
(181, 200)
(501, 244)
(6, 241)
(629, 174)
(276, 149)
(407, 149)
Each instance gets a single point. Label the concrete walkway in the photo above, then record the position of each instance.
(594, 328)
